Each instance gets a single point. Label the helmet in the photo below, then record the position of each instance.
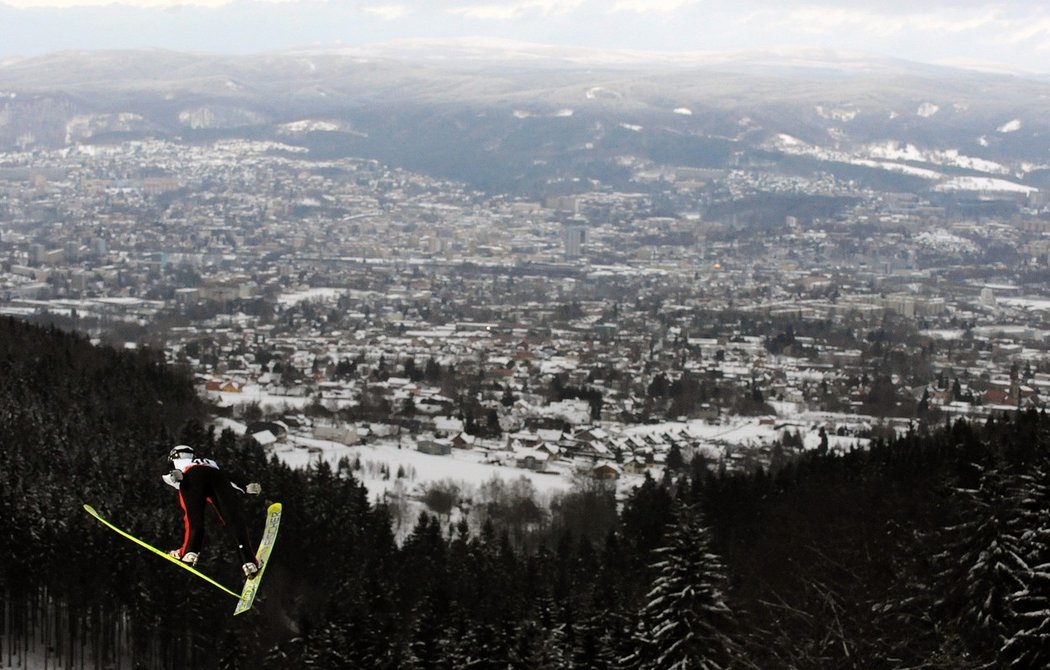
(180, 451)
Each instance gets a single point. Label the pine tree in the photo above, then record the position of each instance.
(981, 563)
(233, 653)
(1028, 646)
(537, 648)
(593, 650)
(645, 516)
(428, 647)
(686, 621)
(482, 647)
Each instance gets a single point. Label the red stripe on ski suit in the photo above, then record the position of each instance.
(186, 518)
(185, 524)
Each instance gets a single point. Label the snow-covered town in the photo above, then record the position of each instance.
(373, 313)
(705, 352)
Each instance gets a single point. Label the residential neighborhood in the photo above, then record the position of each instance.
(351, 305)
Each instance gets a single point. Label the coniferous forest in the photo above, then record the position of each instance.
(928, 551)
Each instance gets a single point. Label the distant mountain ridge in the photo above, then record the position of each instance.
(512, 116)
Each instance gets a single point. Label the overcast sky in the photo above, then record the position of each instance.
(1013, 33)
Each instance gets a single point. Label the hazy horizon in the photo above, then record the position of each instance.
(1012, 35)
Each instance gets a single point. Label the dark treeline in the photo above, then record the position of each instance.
(931, 550)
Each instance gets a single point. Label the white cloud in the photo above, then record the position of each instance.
(926, 22)
(1027, 31)
(651, 6)
(386, 12)
(934, 30)
(489, 12)
(151, 4)
(823, 20)
(509, 11)
(143, 4)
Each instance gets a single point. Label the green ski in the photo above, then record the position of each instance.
(162, 554)
(251, 586)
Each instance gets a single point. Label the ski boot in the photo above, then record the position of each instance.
(190, 557)
(251, 569)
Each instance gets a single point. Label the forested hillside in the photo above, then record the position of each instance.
(932, 550)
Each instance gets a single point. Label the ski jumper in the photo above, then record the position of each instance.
(203, 482)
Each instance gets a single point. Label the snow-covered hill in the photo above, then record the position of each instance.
(492, 111)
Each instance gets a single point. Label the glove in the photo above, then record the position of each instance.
(176, 475)
(253, 489)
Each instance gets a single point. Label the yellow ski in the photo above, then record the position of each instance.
(251, 586)
(162, 554)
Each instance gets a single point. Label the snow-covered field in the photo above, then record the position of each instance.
(463, 466)
(393, 469)
(896, 157)
(382, 458)
(1036, 304)
(983, 184)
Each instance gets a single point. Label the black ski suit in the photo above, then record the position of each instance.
(203, 482)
